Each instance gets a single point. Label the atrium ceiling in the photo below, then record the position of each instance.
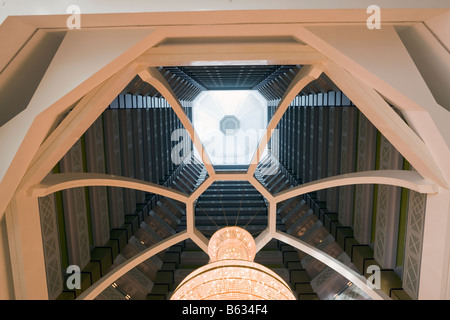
(270, 80)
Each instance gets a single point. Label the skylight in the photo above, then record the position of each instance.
(230, 124)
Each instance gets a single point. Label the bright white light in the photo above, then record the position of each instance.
(235, 147)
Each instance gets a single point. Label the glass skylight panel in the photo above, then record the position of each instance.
(230, 124)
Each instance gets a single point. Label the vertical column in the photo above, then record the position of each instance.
(282, 127)
(322, 156)
(313, 145)
(75, 211)
(301, 138)
(147, 152)
(6, 273)
(365, 161)
(126, 147)
(347, 164)
(137, 132)
(334, 146)
(180, 139)
(275, 138)
(188, 140)
(154, 141)
(50, 241)
(388, 208)
(167, 158)
(294, 134)
(289, 138)
(434, 266)
(166, 139)
(162, 137)
(26, 250)
(304, 140)
(95, 156)
(299, 144)
(307, 137)
(172, 128)
(284, 138)
(269, 114)
(413, 245)
(158, 142)
(114, 166)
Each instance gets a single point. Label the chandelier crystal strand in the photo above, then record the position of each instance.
(231, 273)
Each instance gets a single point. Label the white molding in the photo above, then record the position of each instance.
(98, 287)
(333, 263)
(62, 181)
(401, 178)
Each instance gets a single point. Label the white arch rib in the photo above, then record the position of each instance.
(61, 181)
(336, 265)
(93, 291)
(401, 178)
(153, 77)
(304, 76)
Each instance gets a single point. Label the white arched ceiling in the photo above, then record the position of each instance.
(380, 61)
(83, 61)
(56, 182)
(408, 179)
(97, 84)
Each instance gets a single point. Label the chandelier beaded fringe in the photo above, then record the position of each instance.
(231, 273)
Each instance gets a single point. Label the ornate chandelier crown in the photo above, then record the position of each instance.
(231, 273)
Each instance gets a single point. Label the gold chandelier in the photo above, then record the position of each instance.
(231, 273)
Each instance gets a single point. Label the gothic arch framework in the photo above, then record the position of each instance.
(94, 94)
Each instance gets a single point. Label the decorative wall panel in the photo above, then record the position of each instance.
(388, 208)
(365, 161)
(50, 239)
(95, 156)
(413, 247)
(75, 210)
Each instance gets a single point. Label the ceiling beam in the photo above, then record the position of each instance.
(78, 120)
(400, 178)
(62, 181)
(225, 54)
(163, 13)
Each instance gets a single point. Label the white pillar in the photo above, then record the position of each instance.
(26, 248)
(434, 268)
